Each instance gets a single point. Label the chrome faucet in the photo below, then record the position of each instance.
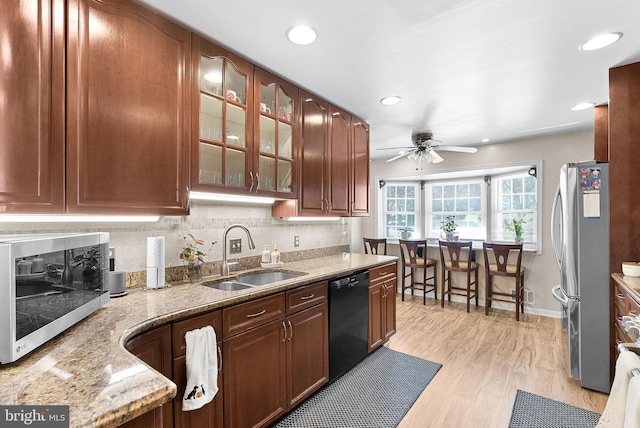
(225, 269)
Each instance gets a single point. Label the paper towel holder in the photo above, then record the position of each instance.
(158, 286)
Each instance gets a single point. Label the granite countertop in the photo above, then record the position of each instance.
(88, 368)
(631, 283)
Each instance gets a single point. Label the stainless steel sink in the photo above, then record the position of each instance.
(262, 278)
(228, 286)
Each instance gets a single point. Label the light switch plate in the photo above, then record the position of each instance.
(235, 246)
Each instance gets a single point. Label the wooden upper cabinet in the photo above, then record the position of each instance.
(222, 133)
(359, 168)
(601, 133)
(128, 110)
(337, 162)
(32, 107)
(275, 137)
(313, 129)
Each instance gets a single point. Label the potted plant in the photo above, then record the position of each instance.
(515, 226)
(193, 256)
(449, 226)
(405, 232)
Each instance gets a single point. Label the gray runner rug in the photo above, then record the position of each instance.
(533, 411)
(378, 392)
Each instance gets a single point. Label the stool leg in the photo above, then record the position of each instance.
(476, 285)
(424, 285)
(404, 281)
(468, 289)
(487, 294)
(444, 285)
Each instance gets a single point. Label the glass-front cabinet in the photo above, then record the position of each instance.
(223, 95)
(275, 134)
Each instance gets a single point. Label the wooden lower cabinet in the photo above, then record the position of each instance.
(382, 305)
(154, 348)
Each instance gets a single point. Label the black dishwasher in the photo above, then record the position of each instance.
(348, 322)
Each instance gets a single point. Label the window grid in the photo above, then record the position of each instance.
(516, 198)
(462, 199)
(400, 209)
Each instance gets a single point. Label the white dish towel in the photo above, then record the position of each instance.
(614, 413)
(202, 368)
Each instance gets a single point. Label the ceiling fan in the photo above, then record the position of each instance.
(425, 148)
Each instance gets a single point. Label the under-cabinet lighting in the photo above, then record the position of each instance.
(71, 218)
(202, 196)
(311, 218)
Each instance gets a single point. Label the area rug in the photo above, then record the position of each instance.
(378, 392)
(533, 411)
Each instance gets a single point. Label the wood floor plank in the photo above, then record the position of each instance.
(485, 360)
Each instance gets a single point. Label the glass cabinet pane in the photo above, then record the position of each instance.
(235, 161)
(284, 176)
(236, 84)
(285, 142)
(210, 164)
(267, 99)
(210, 118)
(267, 135)
(211, 75)
(285, 106)
(267, 173)
(236, 125)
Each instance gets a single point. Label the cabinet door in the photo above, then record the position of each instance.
(154, 348)
(275, 135)
(360, 168)
(376, 335)
(208, 416)
(389, 309)
(313, 134)
(255, 376)
(32, 107)
(337, 165)
(222, 96)
(128, 111)
(307, 353)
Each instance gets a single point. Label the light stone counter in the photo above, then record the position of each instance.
(88, 368)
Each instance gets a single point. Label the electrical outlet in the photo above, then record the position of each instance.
(235, 246)
(296, 241)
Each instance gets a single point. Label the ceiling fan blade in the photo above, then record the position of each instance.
(396, 148)
(435, 157)
(401, 155)
(455, 149)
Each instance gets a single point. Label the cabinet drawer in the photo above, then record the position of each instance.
(382, 272)
(307, 296)
(633, 307)
(245, 316)
(620, 301)
(180, 328)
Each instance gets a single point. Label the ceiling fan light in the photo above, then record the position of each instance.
(390, 101)
(600, 41)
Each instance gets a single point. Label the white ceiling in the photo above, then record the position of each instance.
(465, 69)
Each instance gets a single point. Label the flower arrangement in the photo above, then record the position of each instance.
(193, 255)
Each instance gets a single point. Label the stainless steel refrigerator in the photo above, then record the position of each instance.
(580, 238)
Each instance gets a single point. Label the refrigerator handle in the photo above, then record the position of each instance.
(554, 242)
(559, 294)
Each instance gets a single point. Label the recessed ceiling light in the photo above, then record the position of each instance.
(390, 101)
(600, 41)
(485, 140)
(582, 106)
(301, 35)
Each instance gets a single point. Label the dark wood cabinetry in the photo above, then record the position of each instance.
(338, 162)
(32, 107)
(154, 348)
(382, 305)
(359, 167)
(128, 110)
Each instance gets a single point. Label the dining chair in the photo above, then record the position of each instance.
(373, 245)
(457, 256)
(504, 260)
(412, 261)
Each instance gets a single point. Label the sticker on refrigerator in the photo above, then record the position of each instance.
(590, 182)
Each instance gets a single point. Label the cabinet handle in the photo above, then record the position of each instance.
(308, 297)
(290, 328)
(633, 313)
(251, 188)
(257, 182)
(187, 198)
(284, 327)
(257, 314)
(219, 359)
(620, 296)
(382, 273)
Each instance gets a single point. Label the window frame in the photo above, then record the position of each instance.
(418, 224)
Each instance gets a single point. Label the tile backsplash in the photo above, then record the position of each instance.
(207, 222)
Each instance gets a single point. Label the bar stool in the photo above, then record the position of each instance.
(372, 245)
(411, 261)
(496, 261)
(457, 257)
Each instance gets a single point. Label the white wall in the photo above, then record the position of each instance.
(541, 270)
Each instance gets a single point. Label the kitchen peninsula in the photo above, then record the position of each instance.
(88, 368)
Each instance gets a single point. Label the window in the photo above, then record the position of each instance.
(400, 208)
(462, 199)
(515, 196)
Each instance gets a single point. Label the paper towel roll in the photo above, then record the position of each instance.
(155, 262)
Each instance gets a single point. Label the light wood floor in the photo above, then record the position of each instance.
(485, 360)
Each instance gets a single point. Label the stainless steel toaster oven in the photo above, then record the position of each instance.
(47, 284)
